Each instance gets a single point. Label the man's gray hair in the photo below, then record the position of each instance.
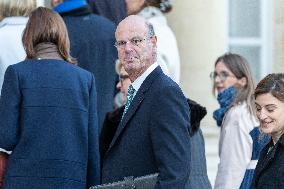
(151, 31)
(150, 34)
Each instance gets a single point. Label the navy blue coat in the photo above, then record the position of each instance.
(92, 43)
(115, 10)
(153, 136)
(48, 119)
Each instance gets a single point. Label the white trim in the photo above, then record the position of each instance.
(252, 164)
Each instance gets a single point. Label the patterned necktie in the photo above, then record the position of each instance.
(130, 95)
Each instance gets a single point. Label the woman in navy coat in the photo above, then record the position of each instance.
(48, 113)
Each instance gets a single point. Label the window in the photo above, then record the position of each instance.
(249, 33)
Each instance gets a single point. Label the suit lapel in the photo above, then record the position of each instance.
(139, 97)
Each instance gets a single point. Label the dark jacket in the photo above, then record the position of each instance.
(198, 178)
(108, 130)
(152, 136)
(92, 43)
(198, 174)
(48, 118)
(269, 172)
(115, 10)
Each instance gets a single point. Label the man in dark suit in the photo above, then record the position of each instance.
(92, 43)
(153, 135)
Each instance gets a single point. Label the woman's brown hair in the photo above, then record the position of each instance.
(46, 26)
(273, 84)
(239, 66)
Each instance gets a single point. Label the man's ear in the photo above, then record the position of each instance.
(243, 81)
(154, 40)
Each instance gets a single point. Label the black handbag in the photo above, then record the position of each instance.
(144, 182)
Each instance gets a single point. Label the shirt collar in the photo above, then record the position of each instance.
(138, 82)
(281, 140)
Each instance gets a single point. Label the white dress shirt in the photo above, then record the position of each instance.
(138, 82)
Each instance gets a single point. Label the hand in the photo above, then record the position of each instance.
(3, 164)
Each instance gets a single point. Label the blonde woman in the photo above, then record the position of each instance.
(13, 19)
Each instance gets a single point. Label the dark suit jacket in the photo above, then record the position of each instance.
(198, 171)
(92, 43)
(108, 130)
(269, 172)
(153, 136)
(48, 118)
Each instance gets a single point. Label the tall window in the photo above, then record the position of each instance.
(249, 33)
(40, 2)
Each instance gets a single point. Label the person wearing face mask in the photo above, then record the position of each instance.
(240, 142)
(269, 101)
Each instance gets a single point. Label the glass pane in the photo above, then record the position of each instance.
(252, 54)
(244, 18)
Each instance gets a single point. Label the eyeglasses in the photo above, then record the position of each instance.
(222, 76)
(123, 77)
(135, 41)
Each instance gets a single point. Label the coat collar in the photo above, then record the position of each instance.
(139, 81)
(81, 11)
(139, 97)
(267, 157)
(281, 140)
(69, 5)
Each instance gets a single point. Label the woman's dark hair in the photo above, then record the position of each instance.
(44, 26)
(273, 84)
(164, 5)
